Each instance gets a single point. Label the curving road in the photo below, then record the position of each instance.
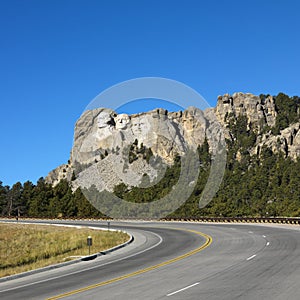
(178, 261)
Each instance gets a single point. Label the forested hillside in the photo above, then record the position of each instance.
(43, 200)
(261, 177)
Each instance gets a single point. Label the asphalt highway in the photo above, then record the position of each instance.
(178, 261)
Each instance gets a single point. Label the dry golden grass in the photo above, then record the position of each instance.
(27, 247)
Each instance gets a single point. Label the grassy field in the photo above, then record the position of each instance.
(27, 247)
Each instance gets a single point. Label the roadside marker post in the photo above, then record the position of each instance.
(89, 243)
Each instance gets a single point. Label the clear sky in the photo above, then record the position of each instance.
(57, 55)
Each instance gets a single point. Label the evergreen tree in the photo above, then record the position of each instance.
(3, 198)
(84, 208)
(13, 200)
(39, 203)
(26, 196)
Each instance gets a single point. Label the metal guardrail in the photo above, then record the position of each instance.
(279, 220)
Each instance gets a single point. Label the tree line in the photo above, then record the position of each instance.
(43, 200)
(262, 185)
(265, 184)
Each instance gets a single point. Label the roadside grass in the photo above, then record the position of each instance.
(26, 247)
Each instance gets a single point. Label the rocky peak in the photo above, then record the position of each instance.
(259, 111)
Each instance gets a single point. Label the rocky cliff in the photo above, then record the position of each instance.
(261, 114)
(123, 148)
(116, 148)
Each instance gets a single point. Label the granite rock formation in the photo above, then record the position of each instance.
(116, 148)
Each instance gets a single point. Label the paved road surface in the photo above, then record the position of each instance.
(172, 261)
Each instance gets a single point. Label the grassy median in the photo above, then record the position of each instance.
(27, 247)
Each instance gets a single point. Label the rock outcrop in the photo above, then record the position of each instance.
(287, 142)
(259, 112)
(64, 171)
(116, 148)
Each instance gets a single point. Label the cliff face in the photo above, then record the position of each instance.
(121, 148)
(261, 114)
(116, 148)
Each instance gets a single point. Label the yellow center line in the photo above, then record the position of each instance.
(208, 241)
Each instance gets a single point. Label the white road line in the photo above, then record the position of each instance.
(89, 268)
(251, 257)
(183, 289)
(250, 231)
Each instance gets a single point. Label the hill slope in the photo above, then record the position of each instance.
(138, 158)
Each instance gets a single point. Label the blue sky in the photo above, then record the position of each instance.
(56, 56)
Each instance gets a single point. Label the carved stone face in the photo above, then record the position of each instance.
(141, 125)
(104, 119)
(122, 121)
